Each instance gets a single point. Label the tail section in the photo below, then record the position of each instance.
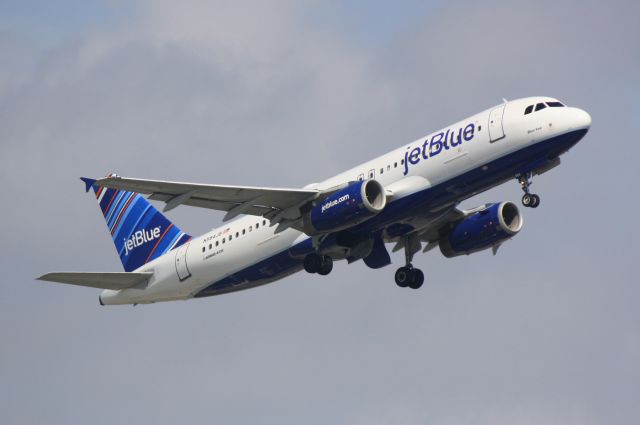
(140, 232)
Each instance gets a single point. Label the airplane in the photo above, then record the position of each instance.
(409, 197)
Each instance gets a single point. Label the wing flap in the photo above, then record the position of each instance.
(102, 280)
(213, 205)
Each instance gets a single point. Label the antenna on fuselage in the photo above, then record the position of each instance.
(504, 100)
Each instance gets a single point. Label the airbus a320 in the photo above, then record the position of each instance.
(408, 197)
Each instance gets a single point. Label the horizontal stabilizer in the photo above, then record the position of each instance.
(118, 280)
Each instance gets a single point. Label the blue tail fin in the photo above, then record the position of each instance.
(140, 232)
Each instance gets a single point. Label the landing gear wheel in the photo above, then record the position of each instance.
(313, 263)
(404, 276)
(535, 201)
(417, 279)
(528, 199)
(326, 266)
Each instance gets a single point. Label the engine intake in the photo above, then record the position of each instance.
(346, 207)
(481, 230)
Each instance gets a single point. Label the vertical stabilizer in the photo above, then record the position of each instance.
(139, 231)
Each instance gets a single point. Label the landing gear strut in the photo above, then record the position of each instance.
(321, 264)
(528, 199)
(408, 276)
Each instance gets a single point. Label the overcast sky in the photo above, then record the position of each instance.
(285, 93)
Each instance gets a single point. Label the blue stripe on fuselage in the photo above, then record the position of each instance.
(449, 192)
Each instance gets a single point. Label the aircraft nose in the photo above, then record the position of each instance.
(581, 119)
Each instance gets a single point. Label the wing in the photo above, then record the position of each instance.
(119, 280)
(273, 203)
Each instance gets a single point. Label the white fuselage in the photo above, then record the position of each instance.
(249, 240)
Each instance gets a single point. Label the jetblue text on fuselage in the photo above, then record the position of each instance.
(435, 144)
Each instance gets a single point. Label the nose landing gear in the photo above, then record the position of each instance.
(530, 200)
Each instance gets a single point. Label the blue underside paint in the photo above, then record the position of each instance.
(448, 193)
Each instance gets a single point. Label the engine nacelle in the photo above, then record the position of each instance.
(345, 208)
(481, 230)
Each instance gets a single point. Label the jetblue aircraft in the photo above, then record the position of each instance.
(408, 197)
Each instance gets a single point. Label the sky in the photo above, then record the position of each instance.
(285, 93)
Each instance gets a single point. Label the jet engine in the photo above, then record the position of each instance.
(346, 207)
(483, 229)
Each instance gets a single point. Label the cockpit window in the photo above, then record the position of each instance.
(540, 106)
(528, 110)
(555, 104)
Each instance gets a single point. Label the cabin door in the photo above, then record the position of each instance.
(496, 132)
(181, 262)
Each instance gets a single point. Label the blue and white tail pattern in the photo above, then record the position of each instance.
(140, 232)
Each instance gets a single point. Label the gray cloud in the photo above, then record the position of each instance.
(545, 332)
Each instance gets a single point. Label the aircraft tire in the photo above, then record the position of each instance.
(535, 201)
(403, 276)
(312, 263)
(326, 266)
(417, 279)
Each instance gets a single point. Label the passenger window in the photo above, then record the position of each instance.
(528, 110)
(555, 104)
(395, 165)
(382, 171)
(237, 234)
(210, 246)
(202, 249)
(264, 222)
(540, 106)
(388, 167)
(223, 240)
(217, 243)
(402, 161)
(230, 237)
(257, 226)
(250, 228)
(243, 231)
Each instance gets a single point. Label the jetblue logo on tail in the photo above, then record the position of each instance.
(139, 238)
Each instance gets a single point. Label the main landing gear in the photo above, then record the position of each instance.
(321, 264)
(528, 199)
(408, 276)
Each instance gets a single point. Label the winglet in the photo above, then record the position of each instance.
(88, 182)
